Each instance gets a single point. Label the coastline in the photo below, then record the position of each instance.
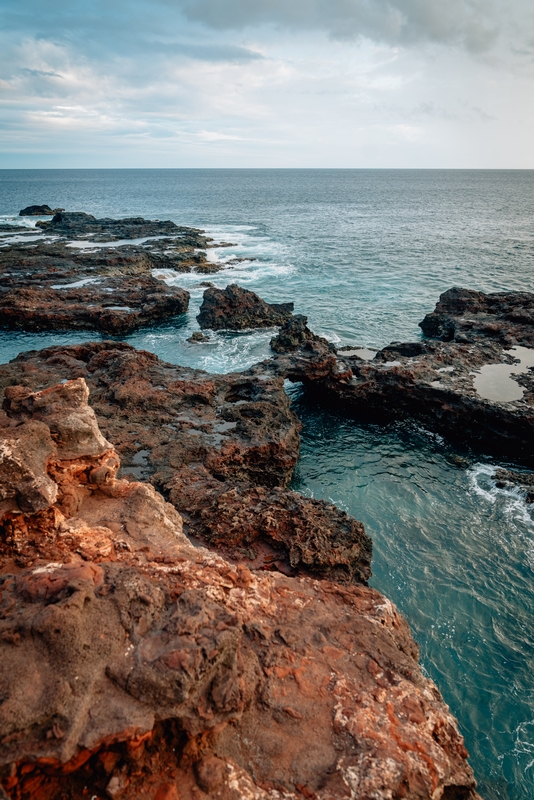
(293, 374)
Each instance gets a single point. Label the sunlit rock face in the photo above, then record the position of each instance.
(134, 664)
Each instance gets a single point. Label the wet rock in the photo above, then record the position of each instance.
(235, 308)
(294, 334)
(436, 382)
(39, 211)
(468, 316)
(77, 224)
(112, 306)
(144, 664)
(272, 528)
(197, 337)
(512, 479)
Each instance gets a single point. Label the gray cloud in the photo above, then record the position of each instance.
(471, 23)
(40, 73)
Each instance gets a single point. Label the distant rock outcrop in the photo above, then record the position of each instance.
(39, 211)
(235, 309)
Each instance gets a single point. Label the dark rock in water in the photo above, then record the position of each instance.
(78, 224)
(460, 389)
(273, 528)
(112, 306)
(293, 334)
(512, 479)
(135, 665)
(235, 309)
(198, 337)
(39, 211)
(466, 316)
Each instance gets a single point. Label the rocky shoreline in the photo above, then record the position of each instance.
(182, 624)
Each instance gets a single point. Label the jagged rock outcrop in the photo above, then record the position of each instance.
(235, 309)
(39, 211)
(294, 334)
(114, 306)
(162, 417)
(457, 388)
(464, 315)
(135, 665)
(272, 527)
(77, 224)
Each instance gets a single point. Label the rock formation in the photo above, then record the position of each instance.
(463, 315)
(135, 665)
(295, 334)
(437, 382)
(114, 306)
(39, 211)
(235, 309)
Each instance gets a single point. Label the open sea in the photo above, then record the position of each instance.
(365, 254)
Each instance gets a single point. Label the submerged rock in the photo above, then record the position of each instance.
(235, 309)
(133, 664)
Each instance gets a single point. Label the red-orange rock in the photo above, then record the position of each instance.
(162, 667)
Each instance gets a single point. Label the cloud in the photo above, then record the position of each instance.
(41, 73)
(470, 23)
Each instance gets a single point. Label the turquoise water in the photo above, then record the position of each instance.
(365, 254)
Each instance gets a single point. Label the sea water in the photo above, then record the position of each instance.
(365, 254)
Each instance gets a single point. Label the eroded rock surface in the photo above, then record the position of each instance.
(115, 306)
(439, 383)
(148, 668)
(464, 315)
(114, 283)
(235, 309)
(163, 417)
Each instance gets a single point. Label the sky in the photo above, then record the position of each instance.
(267, 83)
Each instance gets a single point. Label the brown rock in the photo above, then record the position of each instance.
(235, 309)
(162, 659)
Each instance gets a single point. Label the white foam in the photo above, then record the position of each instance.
(482, 483)
(77, 284)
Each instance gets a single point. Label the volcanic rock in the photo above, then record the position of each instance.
(263, 527)
(134, 664)
(438, 383)
(239, 426)
(39, 211)
(464, 315)
(198, 337)
(294, 334)
(112, 306)
(76, 224)
(235, 308)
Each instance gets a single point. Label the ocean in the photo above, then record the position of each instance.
(365, 254)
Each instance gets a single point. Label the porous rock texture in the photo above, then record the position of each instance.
(464, 315)
(135, 665)
(235, 309)
(294, 334)
(114, 306)
(163, 417)
(432, 380)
